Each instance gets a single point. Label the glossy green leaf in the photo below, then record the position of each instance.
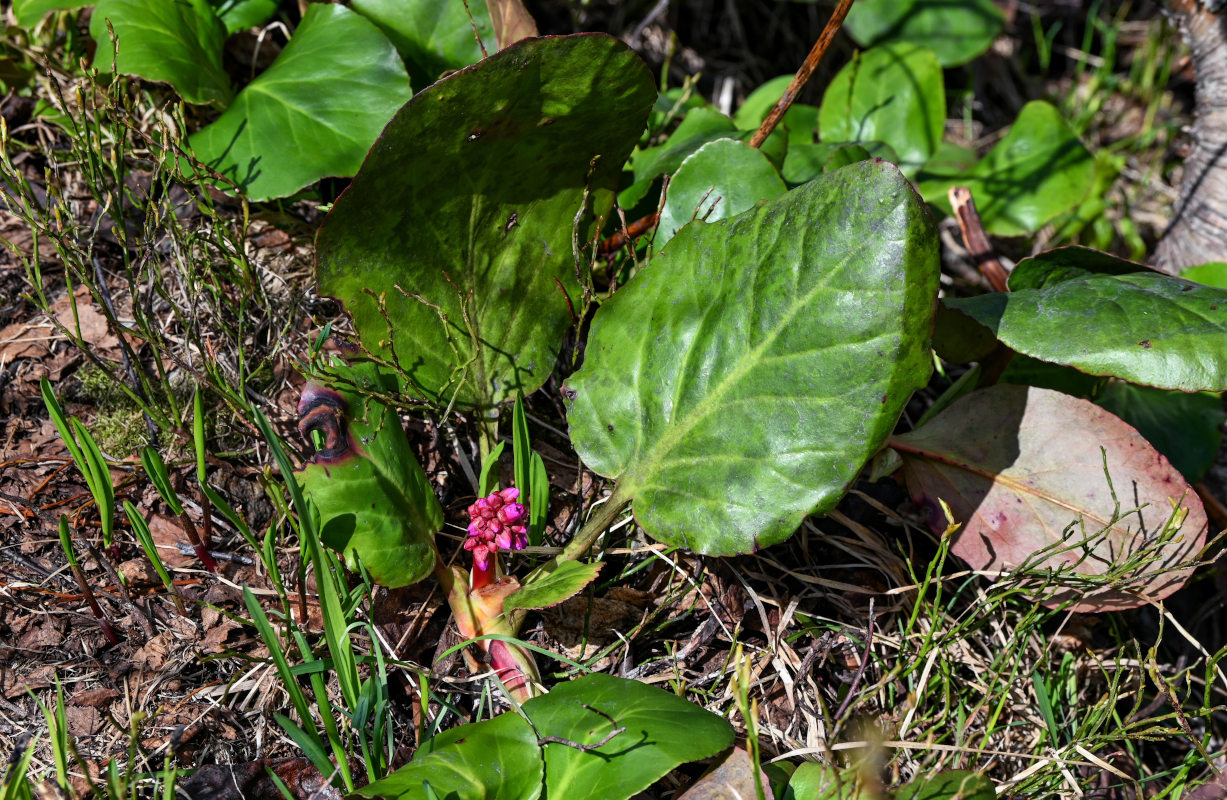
(814, 781)
(722, 179)
(956, 31)
(314, 112)
(544, 589)
(1027, 371)
(1183, 427)
(238, 15)
(375, 502)
(433, 36)
(1132, 322)
(893, 94)
(179, 43)
(741, 380)
(804, 162)
(498, 759)
(801, 120)
(959, 339)
(954, 785)
(28, 13)
(1212, 274)
(661, 731)
(697, 128)
(1039, 170)
(462, 217)
(1026, 472)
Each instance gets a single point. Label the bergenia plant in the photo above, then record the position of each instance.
(743, 376)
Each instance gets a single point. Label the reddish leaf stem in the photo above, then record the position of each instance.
(645, 224)
(803, 74)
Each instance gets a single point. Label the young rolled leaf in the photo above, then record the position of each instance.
(375, 502)
(1004, 461)
(463, 277)
(1132, 322)
(742, 380)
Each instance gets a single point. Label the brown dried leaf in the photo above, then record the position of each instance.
(1018, 465)
(732, 780)
(94, 698)
(511, 21)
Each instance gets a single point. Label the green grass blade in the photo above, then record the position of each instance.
(539, 500)
(309, 743)
(330, 729)
(271, 640)
(520, 443)
(155, 468)
(224, 508)
(336, 629)
(487, 482)
(16, 785)
(61, 422)
(145, 537)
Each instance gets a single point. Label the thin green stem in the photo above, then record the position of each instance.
(600, 521)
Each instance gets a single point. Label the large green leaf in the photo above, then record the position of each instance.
(1183, 427)
(461, 220)
(956, 31)
(1131, 322)
(176, 42)
(498, 759)
(375, 503)
(29, 12)
(1026, 473)
(433, 36)
(1036, 172)
(893, 94)
(741, 380)
(314, 112)
(720, 180)
(661, 731)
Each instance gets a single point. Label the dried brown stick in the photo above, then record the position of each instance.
(976, 240)
(803, 74)
(821, 45)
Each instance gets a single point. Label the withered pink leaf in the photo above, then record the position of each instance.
(1023, 471)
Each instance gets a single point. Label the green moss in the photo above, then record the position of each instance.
(118, 424)
(120, 431)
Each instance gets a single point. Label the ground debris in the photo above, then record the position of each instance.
(251, 781)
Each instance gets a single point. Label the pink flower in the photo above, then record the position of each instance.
(495, 524)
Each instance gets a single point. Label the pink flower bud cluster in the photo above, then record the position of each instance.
(496, 522)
